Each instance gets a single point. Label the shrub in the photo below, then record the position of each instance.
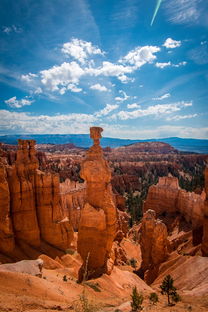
(84, 305)
(133, 262)
(137, 299)
(64, 278)
(168, 289)
(153, 298)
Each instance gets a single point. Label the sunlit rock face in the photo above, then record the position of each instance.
(97, 228)
(30, 206)
(167, 197)
(153, 244)
(205, 223)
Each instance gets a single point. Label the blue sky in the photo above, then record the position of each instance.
(69, 64)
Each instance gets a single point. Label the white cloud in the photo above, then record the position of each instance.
(180, 117)
(162, 65)
(155, 110)
(13, 102)
(9, 29)
(63, 76)
(28, 78)
(73, 88)
(106, 110)
(140, 56)
(162, 97)
(122, 99)
(98, 87)
(133, 105)
(179, 64)
(80, 49)
(38, 91)
(184, 11)
(171, 44)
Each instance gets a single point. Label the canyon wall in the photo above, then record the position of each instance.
(30, 203)
(205, 222)
(167, 197)
(73, 197)
(98, 223)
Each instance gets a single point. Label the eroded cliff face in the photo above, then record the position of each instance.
(205, 221)
(97, 228)
(167, 197)
(153, 244)
(30, 205)
(73, 197)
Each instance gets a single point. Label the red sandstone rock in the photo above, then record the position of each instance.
(6, 232)
(32, 200)
(97, 227)
(73, 197)
(163, 196)
(167, 197)
(153, 244)
(205, 221)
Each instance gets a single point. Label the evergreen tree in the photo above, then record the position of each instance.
(168, 289)
(137, 299)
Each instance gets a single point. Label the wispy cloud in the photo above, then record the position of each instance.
(186, 11)
(106, 110)
(122, 98)
(162, 97)
(180, 117)
(169, 64)
(12, 29)
(155, 110)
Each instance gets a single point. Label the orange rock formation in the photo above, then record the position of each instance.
(168, 197)
(153, 244)
(205, 223)
(97, 228)
(30, 206)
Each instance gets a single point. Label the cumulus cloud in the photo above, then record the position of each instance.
(122, 98)
(140, 56)
(98, 87)
(80, 50)
(133, 105)
(106, 110)
(162, 97)
(65, 76)
(171, 44)
(13, 102)
(154, 110)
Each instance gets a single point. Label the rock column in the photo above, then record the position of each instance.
(97, 228)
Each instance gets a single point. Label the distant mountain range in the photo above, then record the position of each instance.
(83, 140)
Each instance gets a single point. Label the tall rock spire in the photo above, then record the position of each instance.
(97, 227)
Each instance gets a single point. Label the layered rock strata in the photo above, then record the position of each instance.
(30, 204)
(205, 221)
(97, 228)
(168, 197)
(153, 242)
